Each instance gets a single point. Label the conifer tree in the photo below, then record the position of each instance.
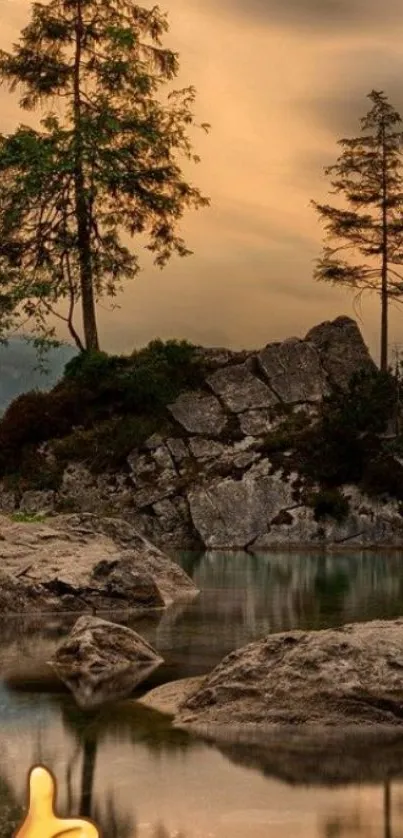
(369, 175)
(104, 162)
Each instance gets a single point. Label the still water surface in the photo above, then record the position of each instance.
(137, 777)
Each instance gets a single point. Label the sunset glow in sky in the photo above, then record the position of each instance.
(280, 81)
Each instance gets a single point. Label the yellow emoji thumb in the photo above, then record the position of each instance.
(41, 820)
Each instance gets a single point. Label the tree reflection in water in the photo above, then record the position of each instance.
(89, 728)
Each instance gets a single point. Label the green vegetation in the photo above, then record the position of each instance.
(104, 164)
(104, 407)
(329, 503)
(29, 517)
(286, 435)
(346, 445)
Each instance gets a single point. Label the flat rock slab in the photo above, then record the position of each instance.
(240, 390)
(294, 371)
(101, 661)
(81, 562)
(199, 413)
(347, 678)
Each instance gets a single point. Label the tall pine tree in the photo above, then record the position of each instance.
(369, 175)
(105, 161)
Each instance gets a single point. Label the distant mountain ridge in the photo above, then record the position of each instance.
(19, 371)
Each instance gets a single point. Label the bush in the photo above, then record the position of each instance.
(329, 503)
(106, 445)
(33, 418)
(287, 434)
(87, 408)
(33, 471)
(368, 405)
(147, 380)
(338, 449)
(159, 373)
(92, 368)
(383, 475)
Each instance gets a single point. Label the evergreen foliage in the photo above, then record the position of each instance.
(369, 175)
(104, 164)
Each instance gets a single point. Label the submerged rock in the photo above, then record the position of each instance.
(340, 679)
(101, 661)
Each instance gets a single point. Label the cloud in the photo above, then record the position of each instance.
(321, 15)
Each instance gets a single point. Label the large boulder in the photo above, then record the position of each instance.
(82, 563)
(343, 679)
(100, 661)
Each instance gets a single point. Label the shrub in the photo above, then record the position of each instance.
(329, 503)
(368, 405)
(107, 444)
(383, 475)
(33, 471)
(287, 434)
(92, 368)
(159, 373)
(338, 449)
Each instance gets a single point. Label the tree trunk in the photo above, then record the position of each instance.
(81, 206)
(384, 317)
(87, 777)
(385, 256)
(387, 810)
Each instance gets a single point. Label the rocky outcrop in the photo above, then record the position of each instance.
(84, 563)
(100, 661)
(337, 679)
(341, 349)
(210, 479)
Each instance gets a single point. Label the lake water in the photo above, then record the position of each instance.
(137, 777)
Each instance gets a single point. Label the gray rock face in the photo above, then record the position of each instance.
(341, 348)
(206, 449)
(340, 679)
(293, 369)
(101, 661)
(240, 390)
(256, 422)
(199, 413)
(233, 513)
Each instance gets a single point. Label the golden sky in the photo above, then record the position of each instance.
(280, 81)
